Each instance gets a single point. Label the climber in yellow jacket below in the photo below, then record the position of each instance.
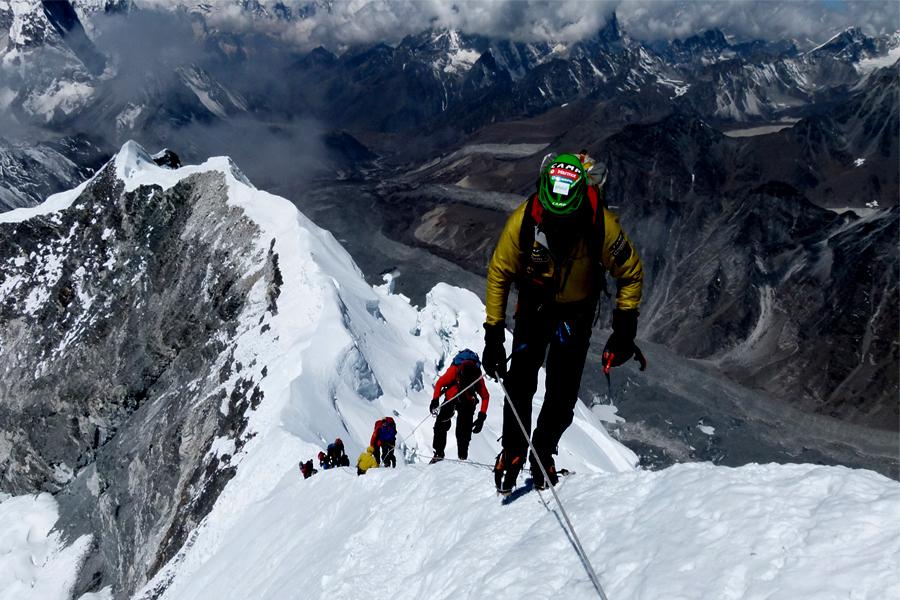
(366, 461)
(556, 247)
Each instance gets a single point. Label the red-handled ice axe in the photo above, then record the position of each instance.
(609, 357)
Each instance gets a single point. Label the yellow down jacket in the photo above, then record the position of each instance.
(366, 460)
(618, 256)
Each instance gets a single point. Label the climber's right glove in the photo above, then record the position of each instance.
(479, 423)
(433, 407)
(493, 359)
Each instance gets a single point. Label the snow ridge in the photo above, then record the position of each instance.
(691, 531)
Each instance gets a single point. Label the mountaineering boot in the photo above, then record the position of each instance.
(436, 459)
(506, 471)
(537, 477)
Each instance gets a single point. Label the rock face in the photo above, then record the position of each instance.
(120, 318)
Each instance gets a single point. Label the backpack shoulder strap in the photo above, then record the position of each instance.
(598, 203)
(595, 243)
(531, 218)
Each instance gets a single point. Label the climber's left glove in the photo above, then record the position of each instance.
(620, 345)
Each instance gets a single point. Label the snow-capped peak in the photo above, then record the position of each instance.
(135, 167)
(841, 38)
(452, 52)
(850, 44)
(30, 26)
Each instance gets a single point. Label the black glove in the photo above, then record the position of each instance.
(620, 345)
(493, 359)
(479, 423)
(433, 407)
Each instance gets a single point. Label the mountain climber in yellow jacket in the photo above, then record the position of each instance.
(556, 248)
(366, 461)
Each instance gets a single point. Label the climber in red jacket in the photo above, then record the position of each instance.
(459, 385)
(384, 438)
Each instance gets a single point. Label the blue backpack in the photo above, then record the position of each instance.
(466, 355)
(468, 368)
(388, 430)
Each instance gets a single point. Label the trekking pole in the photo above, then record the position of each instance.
(577, 542)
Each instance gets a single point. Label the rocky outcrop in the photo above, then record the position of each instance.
(119, 322)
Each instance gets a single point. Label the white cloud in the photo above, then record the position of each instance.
(756, 19)
(347, 22)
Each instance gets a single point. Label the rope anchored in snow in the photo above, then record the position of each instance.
(471, 463)
(576, 541)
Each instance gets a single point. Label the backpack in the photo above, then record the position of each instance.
(388, 430)
(468, 368)
(466, 355)
(531, 221)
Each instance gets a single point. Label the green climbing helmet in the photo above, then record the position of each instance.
(562, 185)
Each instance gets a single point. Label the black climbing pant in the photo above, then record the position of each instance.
(384, 454)
(562, 334)
(465, 411)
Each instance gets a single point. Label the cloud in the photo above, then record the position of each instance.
(756, 19)
(345, 23)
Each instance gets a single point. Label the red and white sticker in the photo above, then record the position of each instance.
(567, 173)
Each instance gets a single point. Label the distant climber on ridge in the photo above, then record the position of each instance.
(307, 469)
(324, 463)
(556, 247)
(336, 455)
(366, 461)
(384, 438)
(464, 372)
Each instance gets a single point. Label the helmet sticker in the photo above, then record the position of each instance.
(561, 187)
(563, 176)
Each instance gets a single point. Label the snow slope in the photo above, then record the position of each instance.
(691, 531)
(34, 562)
